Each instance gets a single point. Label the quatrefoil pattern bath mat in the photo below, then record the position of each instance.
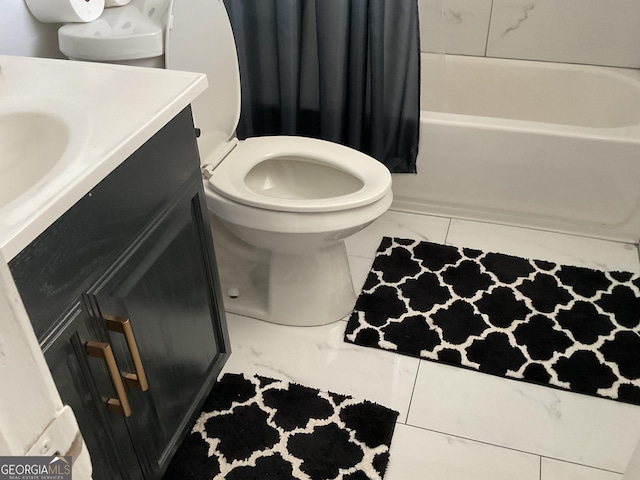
(263, 428)
(568, 327)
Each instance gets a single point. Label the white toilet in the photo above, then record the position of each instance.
(280, 206)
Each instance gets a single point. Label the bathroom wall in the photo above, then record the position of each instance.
(596, 32)
(21, 34)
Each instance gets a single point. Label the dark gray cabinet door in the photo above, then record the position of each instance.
(163, 286)
(84, 384)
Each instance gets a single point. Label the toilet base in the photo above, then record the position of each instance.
(288, 289)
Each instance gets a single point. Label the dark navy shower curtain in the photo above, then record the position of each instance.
(341, 70)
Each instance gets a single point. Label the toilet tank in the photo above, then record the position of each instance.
(200, 39)
(132, 34)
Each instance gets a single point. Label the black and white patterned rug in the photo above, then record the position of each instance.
(262, 428)
(568, 327)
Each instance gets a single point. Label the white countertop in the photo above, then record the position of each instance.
(125, 106)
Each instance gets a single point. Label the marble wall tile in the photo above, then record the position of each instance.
(586, 31)
(454, 26)
(21, 34)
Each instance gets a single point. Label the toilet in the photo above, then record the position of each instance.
(280, 206)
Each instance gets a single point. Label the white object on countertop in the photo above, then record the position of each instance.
(63, 11)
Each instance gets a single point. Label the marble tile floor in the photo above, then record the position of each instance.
(457, 424)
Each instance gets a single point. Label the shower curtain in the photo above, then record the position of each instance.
(347, 71)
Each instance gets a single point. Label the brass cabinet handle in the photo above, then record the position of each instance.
(137, 380)
(121, 403)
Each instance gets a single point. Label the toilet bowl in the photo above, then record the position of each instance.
(292, 202)
(280, 206)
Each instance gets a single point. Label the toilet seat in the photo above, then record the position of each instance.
(189, 38)
(229, 178)
(190, 35)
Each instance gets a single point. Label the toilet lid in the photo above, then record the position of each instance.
(298, 174)
(200, 39)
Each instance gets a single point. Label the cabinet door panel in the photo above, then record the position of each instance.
(83, 383)
(163, 288)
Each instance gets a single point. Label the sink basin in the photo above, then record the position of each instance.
(37, 136)
(31, 143)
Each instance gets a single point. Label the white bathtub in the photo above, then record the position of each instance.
(544, 145)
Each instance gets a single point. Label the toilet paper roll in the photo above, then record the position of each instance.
(115, 3)
(63, 11)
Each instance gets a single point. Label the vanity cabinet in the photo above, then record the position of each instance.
(124, 297)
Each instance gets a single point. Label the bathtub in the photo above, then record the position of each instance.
(544, 145)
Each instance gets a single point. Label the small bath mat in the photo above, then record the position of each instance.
(262, 428)
(563, 326)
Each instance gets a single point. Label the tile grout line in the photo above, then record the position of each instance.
(505, 447)
(486, 40)
(540, 467)
(446, 235)
(495, 445)
(413, 389)
(570, 462)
